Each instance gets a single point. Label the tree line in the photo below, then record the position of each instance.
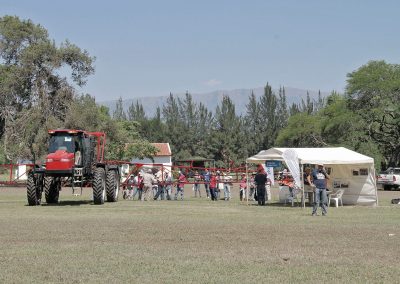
(35, 97)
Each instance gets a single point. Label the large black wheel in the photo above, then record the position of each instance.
(34, 190)
(99, 186)
(387, 187)
(112, 186)
(52, 188)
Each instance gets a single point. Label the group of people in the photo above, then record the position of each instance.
(146, 185)
(160, 185)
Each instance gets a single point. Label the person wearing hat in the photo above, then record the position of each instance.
(319, 182)
(260, 180)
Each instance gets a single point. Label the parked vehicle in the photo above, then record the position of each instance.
(389, 179)
(79, 156)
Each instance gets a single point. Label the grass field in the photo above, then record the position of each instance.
(194, 241)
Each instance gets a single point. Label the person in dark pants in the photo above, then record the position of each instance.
(213, 186)
(260, 180)
(320, 178)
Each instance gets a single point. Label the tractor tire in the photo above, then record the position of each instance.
(33, 192)
(112, 186)
(99, 186)
(387, 187)
(52, 188)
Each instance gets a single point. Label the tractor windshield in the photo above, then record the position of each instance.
(62, 142)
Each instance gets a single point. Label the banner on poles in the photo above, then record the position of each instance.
(273, 164)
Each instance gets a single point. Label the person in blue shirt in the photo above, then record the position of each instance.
(319, 183)
(206, 177)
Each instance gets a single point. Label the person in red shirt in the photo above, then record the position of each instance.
(213, 186)
(180, 185)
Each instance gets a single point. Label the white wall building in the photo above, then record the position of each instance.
(163, 156)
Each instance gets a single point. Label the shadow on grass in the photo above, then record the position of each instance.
(70, 203)
(277, 204)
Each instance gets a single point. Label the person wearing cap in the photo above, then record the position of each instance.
(319, 182)
(260, 180)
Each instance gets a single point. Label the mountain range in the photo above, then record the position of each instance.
(240, 97)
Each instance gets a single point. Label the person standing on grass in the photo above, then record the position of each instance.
(206, 178)
(131, 187)
(243, 187)
(160, 184)
(220, 185)
(168, 185)
(260, 180)
(307, 179)
(252, 186)
(196, 185)
(148, 181)
(180, 185)
(227, 186)
(213, 186)
(140, 185)
(320, 178)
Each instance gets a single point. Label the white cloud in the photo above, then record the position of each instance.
(212, 82)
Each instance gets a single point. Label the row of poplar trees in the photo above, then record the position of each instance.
(221, 134)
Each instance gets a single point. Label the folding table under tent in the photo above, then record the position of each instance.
(352, 171)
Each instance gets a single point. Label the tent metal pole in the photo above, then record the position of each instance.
(247, 184)
(374, 179)
(303, 201)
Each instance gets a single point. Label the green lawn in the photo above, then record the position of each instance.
(194, 241)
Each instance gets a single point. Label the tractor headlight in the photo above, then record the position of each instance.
(49, 160)
(65, 160)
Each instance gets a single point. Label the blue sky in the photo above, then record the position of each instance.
(151, 48)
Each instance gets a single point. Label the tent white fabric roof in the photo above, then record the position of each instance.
(329, 156)
(345, 164)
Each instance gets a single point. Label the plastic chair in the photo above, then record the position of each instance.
(337, 196)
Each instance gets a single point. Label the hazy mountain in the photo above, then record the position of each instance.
(240, 98)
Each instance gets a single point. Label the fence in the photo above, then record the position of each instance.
(14, 174)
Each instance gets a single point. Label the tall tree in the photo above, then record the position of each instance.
(119, 112)
(228, 131)
(136, 112)
(374, 94)
(308, 105)
(173, 123)
(268, 119)
(281, 110)
(33, 94)
(252, 122)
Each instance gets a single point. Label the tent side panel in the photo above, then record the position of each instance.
(358, 182)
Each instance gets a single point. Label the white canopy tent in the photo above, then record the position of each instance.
(352, 171)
